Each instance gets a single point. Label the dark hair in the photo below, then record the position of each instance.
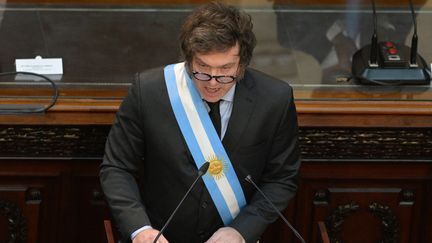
(217, 27)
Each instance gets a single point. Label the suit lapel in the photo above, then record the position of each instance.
(244, 103)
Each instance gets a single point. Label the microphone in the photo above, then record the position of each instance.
(373, 60)
(249, 179)
(390, 63)
(414, 40)
(202, 170)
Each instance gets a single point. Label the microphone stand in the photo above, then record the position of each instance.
(249, 179)
(202, 170)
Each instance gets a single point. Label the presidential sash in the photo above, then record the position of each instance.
(203, 142)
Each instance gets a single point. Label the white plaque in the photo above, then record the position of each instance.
(40, 65)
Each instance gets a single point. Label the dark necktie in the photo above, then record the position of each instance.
(215, 116)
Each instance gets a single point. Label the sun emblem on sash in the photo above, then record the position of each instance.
(217, 167)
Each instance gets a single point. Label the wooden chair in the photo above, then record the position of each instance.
(109, 231)
(323, 232)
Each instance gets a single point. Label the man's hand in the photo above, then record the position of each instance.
(148, 236)
(226, 235)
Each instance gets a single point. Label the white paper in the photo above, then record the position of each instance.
(40, 65)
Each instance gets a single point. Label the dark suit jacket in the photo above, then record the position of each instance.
(147, 166)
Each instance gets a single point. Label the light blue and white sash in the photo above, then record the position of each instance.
(204, 143)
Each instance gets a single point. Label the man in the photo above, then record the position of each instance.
(163, 133)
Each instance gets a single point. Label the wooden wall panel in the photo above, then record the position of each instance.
(20, 210)
(358, 200)
(60, 199)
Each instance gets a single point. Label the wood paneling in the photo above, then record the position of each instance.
(385, 167)
(60, 200)
(325, 113)
(358, 199)
(20, 210)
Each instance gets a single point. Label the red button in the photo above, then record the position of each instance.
(392, 51)
(389, 44)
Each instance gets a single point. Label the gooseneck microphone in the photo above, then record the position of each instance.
(390, 63)
(249, 179)
(202, 170)
(414, 40)
(373, 60)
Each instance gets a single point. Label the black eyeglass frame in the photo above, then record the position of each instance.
(216, 77)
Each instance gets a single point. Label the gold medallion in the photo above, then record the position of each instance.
(217, 167)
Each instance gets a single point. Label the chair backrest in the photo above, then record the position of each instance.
(323, 232)
(109, 231)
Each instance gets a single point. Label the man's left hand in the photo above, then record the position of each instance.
(226, 235)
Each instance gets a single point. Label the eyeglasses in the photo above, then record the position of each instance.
(207, 77)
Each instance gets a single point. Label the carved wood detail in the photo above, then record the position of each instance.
(335, 220)
(389, 222)
(321, 197)
(33, 195)
(16, 222)
(316, 143)
(407, 197)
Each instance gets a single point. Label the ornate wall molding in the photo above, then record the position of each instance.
(367, 143)
(81, 141)
(335, 220)
(17, 225)
(390, 225)
(389, 222)
(53, 141)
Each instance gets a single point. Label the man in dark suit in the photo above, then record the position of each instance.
(149, 163)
